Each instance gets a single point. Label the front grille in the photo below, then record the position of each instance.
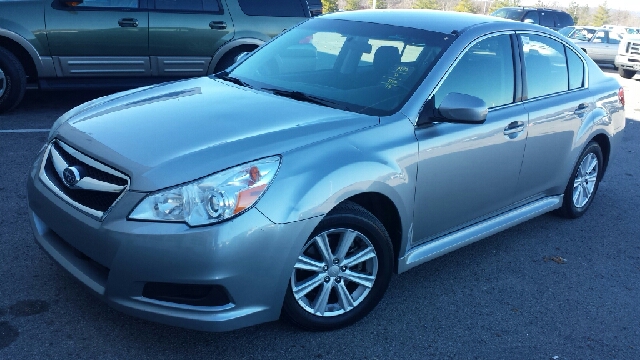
(87, 184)
(633, 48)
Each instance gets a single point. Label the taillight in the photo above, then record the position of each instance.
(621, 95)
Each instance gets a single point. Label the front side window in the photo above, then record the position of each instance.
(110, 3)
(508, 13)
(361, 67)
(545, 65)
(485, 71)
(532, 16)
(278, 8)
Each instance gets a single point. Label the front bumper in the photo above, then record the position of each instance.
(249, 257)
(627, 62)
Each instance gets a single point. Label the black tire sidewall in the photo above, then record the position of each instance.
(16, 80)
(373, 230)
(568, 208)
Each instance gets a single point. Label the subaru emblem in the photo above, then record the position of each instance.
(71, 176)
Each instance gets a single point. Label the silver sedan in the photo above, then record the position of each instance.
(353, 146)
(600, 44)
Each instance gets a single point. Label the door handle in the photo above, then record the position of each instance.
(218, 25)
(582, 107)
(128, 22)
(514, 127)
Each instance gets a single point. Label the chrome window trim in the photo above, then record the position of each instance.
(461, 54)
(99, 215)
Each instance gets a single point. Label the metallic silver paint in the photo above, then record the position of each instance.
(435, 176)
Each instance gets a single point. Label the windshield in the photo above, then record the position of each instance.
(567, 31)
(355, 66)
(582, 34)
(511, 14)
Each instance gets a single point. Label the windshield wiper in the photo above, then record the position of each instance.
(300, 96)
(225, 76)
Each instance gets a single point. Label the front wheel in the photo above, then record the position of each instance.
(584, 182)
(627, 74)
(13, 80)
(342, 271)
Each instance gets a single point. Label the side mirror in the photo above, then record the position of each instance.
(463, 109)
(71, 3)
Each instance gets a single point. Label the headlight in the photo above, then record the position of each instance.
(212, 199)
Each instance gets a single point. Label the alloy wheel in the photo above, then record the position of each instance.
(334, 272)
(585, 180)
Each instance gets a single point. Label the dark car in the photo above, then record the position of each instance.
(53, 44)
(551, 18)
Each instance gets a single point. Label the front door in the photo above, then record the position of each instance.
(99, 37)
(185, 34)
(468, 172)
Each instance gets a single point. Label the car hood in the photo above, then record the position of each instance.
(177, 132)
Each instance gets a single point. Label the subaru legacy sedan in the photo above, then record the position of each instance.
(295, 183)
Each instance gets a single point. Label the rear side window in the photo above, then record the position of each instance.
(188, 5)
(548, 19)
(484, 71)
(576, 70)
(545, 65)
(278, 8)
(565, 20)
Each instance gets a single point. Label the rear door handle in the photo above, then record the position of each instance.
(514, 127)
(582, 107)
(128, 22)
(218, 25)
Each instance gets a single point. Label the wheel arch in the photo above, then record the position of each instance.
(605, 145)
(386, 211)
(248, 43)
(23, 54)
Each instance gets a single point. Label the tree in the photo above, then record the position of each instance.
(601, 16)
(426, 4)
(329, 6)
(502, 3)
(465, 6)
(352, 5)
(574, 11)
(380, 4)
(584, 15)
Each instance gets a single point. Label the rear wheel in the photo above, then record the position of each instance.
(627, 74)
(13, 80)
(342, 271)
(229, 58)
(584, 182)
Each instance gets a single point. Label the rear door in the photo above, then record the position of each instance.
(185, 34)
(557, 101)
(99, 37)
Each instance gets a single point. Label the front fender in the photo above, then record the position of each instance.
(314, 179)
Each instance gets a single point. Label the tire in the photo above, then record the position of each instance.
(627, 74)
(13, 81)
(229, 58)
(351, 230)
(583, 183)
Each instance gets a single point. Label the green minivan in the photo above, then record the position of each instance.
(64, 44)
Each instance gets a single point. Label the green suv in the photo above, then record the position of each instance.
(63, 44)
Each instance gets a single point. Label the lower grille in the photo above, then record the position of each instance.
(187, 294)
(87, 184)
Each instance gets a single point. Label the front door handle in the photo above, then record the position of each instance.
(128, 22)
(218, 25)
(582, 107)
(514, 127)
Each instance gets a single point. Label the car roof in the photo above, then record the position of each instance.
(432, 20)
